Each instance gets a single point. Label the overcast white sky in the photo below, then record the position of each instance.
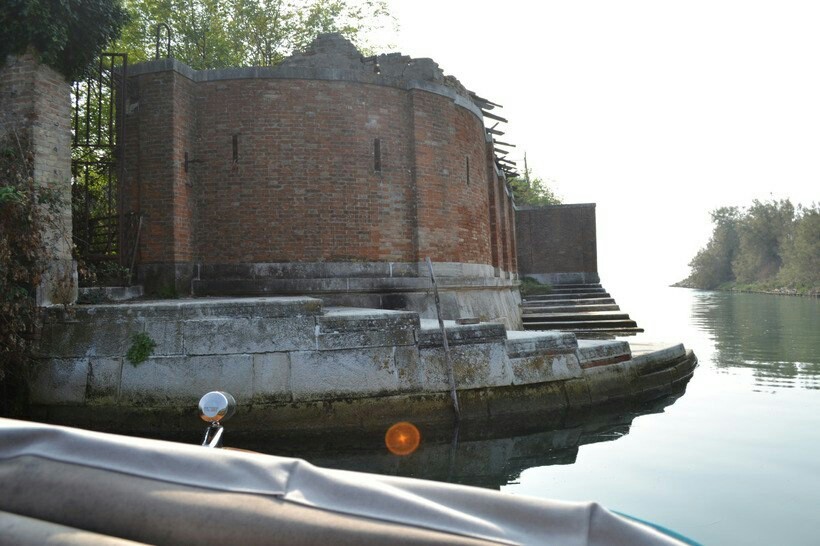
(657, 111)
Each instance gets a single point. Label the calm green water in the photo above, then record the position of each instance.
(736, 460)
(733, 460)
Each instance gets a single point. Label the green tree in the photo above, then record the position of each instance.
(67, 34)
(769, 243)
(712, 265)
(801, 254)
(763, 232)
(224, 33)
(532, 190)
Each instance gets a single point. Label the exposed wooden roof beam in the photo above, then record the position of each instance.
(493, 116)
(482, 99)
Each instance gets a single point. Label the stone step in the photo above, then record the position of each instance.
(571, 326)
(569, 296)
(579, 290)
(570, 308)
(587, 285)
(606, 334)
(594, 353)
(527, 304)
(574, 317)
(108, 294)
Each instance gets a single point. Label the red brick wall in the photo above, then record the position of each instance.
(452, 212)
(557, 239)
(160, 127)
(501, 221)
(185, 136)
(304, 187)
(151, 163)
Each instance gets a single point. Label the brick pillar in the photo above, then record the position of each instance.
(161, 129)
(35, 102)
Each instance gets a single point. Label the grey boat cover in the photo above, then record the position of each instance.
(61, 485)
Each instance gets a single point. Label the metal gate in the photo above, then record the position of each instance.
(101, 229)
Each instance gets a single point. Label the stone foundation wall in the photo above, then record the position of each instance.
(276, 351)
(293, 364)
(466, 290)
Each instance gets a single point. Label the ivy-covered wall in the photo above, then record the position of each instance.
(36, 109)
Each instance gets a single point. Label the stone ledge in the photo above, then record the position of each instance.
(321, 375)
(345, 328)
(594, 353)
(239, 335)
(104, 294)
(186, 309)
(658, 358)
(538, 368)
(532, 343)
(557, 279)
(466, 334)
(474, 366)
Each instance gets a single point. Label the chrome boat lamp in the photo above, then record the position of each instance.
(215, 407)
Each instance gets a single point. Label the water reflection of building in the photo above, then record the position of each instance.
(773, 336)
(482, 454)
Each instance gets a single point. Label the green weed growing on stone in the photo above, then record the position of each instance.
(25, 209)
(531, 287)
(142, 346)
(168, 292)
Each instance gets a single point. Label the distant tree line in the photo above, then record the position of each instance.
(770, 244)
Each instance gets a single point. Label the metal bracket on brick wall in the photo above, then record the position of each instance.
(190, 161)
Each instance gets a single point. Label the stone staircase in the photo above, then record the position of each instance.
(587, 310)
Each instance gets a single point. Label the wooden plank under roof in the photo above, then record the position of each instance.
(485, 101)
(499, 143)
(492, 116)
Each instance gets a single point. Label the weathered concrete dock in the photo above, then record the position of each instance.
(293, 363)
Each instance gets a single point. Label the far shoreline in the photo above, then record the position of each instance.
(747, 289)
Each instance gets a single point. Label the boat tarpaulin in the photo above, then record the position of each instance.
(150, 491)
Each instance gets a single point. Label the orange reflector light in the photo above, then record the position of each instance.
(402, 438)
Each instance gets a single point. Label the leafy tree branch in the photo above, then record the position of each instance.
(224, 33)
(67, 34)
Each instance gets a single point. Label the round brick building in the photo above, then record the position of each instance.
(330, 174)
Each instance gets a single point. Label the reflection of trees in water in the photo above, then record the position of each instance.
(480, 453)
(778, 337)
